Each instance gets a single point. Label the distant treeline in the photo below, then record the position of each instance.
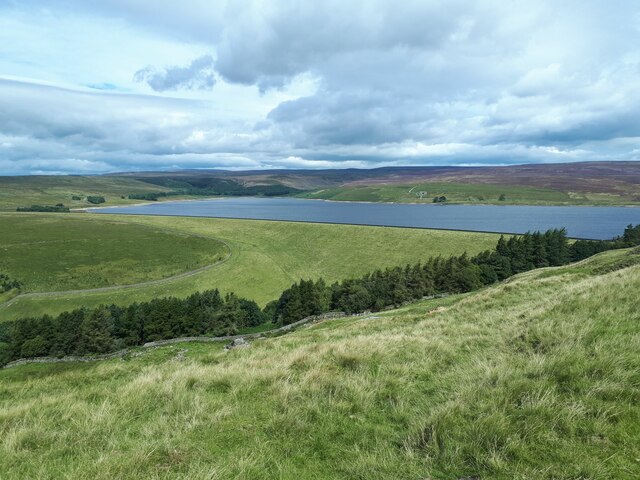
(257, 190)
(108, 328)
(212, 187)
(44, 208)
(586, 248)
(150, 196)
(7, 283)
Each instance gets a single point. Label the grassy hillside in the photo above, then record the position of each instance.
(266, 257)
(53, 189)
(605, 182)
(49, 190)
(52, 253)
(465, 193)
(534, 378)
(588, 183)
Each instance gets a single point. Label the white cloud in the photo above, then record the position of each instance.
(316, 84)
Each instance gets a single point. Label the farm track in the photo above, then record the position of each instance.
(147, 283)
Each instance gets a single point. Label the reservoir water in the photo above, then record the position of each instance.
(580, 222)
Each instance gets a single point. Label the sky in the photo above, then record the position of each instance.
(128, 85)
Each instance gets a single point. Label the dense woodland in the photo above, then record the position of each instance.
(109, 328)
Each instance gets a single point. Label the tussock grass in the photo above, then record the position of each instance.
(535, 378)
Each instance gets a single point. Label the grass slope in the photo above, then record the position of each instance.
(267, 257)
(52, 253)
(465, 193)
(51, 189)
(534, 378)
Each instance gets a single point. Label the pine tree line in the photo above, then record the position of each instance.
(458, 274)
(586, 248)
(110, 328)
(397, 285)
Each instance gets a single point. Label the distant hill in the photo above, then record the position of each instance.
(598, 183)
(603, 177)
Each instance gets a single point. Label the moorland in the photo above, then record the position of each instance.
(591, 183)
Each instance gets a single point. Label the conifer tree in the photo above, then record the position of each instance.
(95, 332)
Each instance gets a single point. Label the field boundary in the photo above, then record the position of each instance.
(159, 343)
(147, 283)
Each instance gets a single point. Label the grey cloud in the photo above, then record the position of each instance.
(107, 131)
(198, 75)
(268, 44)
(96, 131)
(344, 118)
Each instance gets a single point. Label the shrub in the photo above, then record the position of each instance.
(95, 199)
(44, 208)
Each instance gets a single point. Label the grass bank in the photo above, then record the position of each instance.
(534, 378)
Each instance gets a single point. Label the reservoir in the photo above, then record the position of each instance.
(580, 222)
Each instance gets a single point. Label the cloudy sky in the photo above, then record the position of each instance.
(98, 86)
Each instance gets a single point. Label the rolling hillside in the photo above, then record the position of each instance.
(54, 253)
(533, 378)
(52, 189)
(588, 183)
(265, 257)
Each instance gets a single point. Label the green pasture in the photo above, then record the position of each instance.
(266, 257)
(53, 253)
